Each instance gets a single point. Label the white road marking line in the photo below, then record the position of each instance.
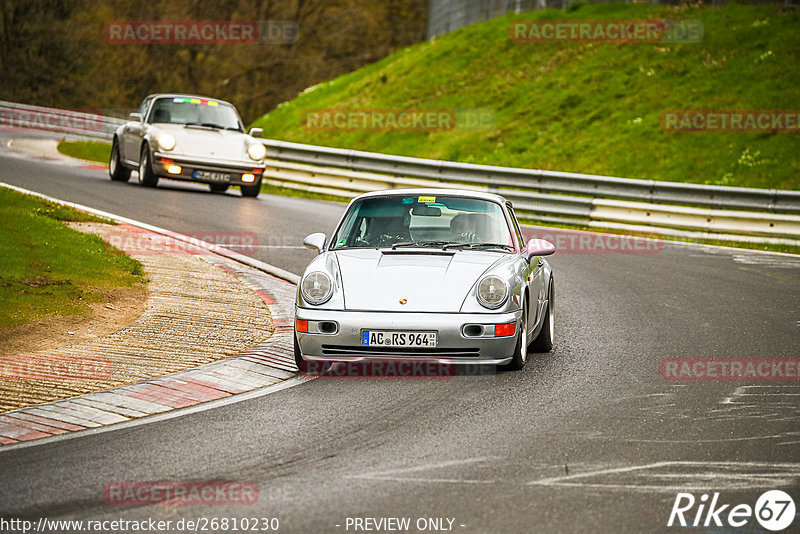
(426, 480)
(743, 480)
(390, 474)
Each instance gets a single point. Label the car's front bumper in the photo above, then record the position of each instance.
(233, 173)
(453, 345)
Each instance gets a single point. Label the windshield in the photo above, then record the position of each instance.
(419, 221)
(196, 112)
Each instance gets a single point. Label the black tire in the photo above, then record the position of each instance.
(520, 356)
(146, 175)
(544, 341)
(305, 367)
(116, 170)
(218, 188)
(251, 190)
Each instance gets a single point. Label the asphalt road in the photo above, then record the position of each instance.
(588, 438)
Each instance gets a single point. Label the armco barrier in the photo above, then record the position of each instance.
(86, 123)
(548, 196)
(768, 200)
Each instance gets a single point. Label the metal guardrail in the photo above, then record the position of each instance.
(548, 196)
(548, 208)
(710, 196)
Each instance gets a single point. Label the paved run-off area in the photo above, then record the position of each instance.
(201, 308)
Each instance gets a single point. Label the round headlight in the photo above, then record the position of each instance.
(317, 288)
(492, 292)
(166, 141)
(256, 151)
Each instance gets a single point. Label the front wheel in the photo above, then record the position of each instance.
(146, 175)
(306, 367)
(521, 351)
(544, 341)
(117, 172)
(251, 190)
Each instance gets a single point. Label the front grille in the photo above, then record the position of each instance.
(342, 350)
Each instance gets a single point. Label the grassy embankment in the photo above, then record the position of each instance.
(49, 269)
(581, 107)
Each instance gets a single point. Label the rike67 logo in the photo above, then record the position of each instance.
(774, 511)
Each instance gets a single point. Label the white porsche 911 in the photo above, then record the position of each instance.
(186, 137)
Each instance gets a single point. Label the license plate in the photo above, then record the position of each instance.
(394, 338)
(211, 176)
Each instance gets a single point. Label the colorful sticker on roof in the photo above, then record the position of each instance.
(198, 101)
(427, 200)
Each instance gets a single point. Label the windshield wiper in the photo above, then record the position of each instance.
(476, 245)
(422, 244)
(205, 125)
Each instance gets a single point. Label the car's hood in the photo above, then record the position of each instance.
(207, 143)
(428, 280)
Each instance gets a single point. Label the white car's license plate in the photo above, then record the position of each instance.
(212, 176)
(394, 338)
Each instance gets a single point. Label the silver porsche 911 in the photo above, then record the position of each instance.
(422, 274)
(192, 138)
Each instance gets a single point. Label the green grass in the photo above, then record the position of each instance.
(583, 107)
(88, 150)
(50, 269)
(270, 189)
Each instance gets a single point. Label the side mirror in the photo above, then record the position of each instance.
(539, 247)
(256, 132)
(136, 117)
(316, 241)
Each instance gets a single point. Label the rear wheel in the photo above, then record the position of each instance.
(251, 190)
(544, 341)
(117, 172)
(218, 188)
(146, 175)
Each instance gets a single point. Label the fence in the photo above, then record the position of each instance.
(445, 16)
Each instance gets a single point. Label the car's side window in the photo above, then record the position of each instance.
(145, 107)
(517, 232)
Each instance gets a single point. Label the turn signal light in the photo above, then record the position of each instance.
(505, 330)
(301, 325)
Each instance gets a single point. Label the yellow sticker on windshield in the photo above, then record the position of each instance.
(427, 200)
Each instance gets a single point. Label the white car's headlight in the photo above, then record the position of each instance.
(492, 292)
(256, 151)
(166, 141)
(317, 288)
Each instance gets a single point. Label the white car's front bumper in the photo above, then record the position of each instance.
(337, 336)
